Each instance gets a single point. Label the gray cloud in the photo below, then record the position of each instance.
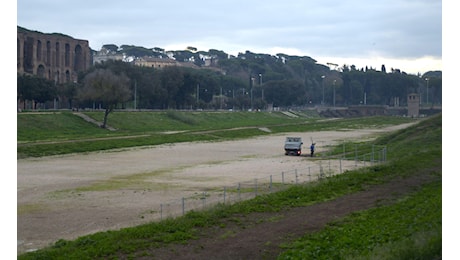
(407, 29)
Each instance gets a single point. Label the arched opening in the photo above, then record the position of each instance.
(18, 49)
(67, 76)
(41, 71)
(39, 50)
(28, 55)
(78, 64)
(67, 55)
(48, 53)
(57, 77)
(58, 54)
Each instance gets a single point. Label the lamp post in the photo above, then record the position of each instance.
(135, 94)
(260, 84)
(197, 95)
(427, 82)
(221, 99)
(333, 93)
(252, 86)
(322, 84)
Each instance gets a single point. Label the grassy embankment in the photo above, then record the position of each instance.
(63, 132)
(412, 224)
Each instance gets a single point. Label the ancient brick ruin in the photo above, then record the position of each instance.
(53, 56)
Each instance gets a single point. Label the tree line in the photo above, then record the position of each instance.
(250, 81)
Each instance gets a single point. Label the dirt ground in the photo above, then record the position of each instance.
(64, 197)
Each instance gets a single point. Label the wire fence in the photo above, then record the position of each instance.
(359, 156)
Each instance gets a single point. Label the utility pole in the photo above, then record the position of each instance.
(197, 94)
(221, 98)
(260, 83)
(251, 82)
(427, 82)
(322, 84)
(333, 97)
(135, 94)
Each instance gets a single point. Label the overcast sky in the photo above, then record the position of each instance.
(403, 34)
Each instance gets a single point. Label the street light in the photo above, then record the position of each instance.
(427, 82)
(135, 94)
(252, 86)
(197, 94)
(260, 84)
(322, 84)
(333, 94)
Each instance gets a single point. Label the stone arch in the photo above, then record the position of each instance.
(79, 59)
(41, 71)
(67, 76)
(58, 54)
(67, 55)
(28, 55)
(57, 77)
(39, 50)
(48, 53)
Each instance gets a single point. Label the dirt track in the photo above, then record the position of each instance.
(65, 197)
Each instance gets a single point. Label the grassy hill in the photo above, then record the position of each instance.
(43, 134)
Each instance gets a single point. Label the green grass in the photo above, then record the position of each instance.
(54, 126)
(409, 228)
(44, 134)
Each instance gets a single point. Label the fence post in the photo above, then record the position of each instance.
(340, 161)
(271, 183)
(356, 155)
(372, 158)
(183, 206)
(239, 191)
(225, 193)
(161, 211)
(282, 177)
(204, 199)
(321, 170)
(296, 177)
(255, 187)
(309, 174)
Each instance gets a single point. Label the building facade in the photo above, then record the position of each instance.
(53, 56)
(155, 62)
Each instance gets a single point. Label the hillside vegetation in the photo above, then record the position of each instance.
(405, 225)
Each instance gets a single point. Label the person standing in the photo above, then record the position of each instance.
(312, 149)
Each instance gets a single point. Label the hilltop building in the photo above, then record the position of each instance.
(155, 62)
(105, 55)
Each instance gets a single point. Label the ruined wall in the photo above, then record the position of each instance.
(54, 56)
